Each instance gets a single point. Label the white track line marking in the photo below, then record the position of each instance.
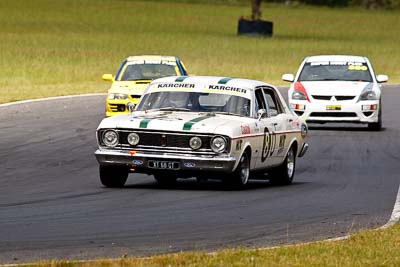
(47, 99)
(395, 218)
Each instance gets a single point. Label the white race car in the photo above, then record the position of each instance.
(204, 127)
(337, 88)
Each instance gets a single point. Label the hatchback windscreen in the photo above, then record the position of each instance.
(195, 102)
(133, 72)
(335, 71)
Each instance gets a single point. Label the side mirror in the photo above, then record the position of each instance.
(261, 113)
(382, 78)
(131, 107)
(288, 77)
(108, 77)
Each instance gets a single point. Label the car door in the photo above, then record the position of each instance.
(266, 140)
(281, 121)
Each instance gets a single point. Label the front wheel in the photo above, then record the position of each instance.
(240, 176)
(376, 126)
(283, 174)
(113, 176)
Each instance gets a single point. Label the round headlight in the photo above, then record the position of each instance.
(195, 142)
(133, 139)
(110, 138)
(218, 144)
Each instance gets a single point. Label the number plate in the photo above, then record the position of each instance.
(333, 107)
(170, 165)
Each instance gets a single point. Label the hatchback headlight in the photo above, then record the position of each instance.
(133, 139)
(368, 95)
(298, 95)
(117, 96)
(195, 142)
(110, 138)
(218, 144)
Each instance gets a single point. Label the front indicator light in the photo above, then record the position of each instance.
(298, 106)
(369, 107)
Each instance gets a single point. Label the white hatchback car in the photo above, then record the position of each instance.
(337, 88)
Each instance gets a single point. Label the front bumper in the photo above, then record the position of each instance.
(303, 150)
(349, 111)
(141, 162)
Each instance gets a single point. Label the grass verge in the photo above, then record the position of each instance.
(367, 248)
(57, 48)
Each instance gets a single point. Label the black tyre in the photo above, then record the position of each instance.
(165, 178)
(240, 177)
(113, 176)
(283, 174)
(376, 126)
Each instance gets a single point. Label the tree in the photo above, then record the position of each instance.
(255, 9)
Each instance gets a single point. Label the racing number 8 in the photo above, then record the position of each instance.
(269, 143)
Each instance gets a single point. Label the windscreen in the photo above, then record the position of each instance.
(146, 71)
(335, 71)
(196, 102)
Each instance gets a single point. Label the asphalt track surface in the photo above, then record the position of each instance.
(52, 205)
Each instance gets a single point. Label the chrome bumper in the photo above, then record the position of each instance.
(140, 162)
(303, 150)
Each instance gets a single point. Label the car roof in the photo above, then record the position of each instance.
(347, 58)
(214, 80)
(151, 57)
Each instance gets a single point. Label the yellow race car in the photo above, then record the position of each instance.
(134, 75)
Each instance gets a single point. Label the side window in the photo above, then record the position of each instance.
(273, 102)
(260, 99)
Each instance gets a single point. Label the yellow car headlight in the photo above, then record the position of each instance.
(117, 96)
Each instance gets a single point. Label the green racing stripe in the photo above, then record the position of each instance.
(188, 125)
(180, 79)
(224, 80)
(143, 123)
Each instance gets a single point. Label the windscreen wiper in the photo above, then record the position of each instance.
(227, 113)
(174, 109)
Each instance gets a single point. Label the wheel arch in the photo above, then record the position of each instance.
(295, 145)
(247, 149)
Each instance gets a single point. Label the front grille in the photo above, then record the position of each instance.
(117, 107)
(333, 114)
(337, 97)
(322, 97)
(170, 140)
(165, 142)
(135, 96)
(344, 97)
